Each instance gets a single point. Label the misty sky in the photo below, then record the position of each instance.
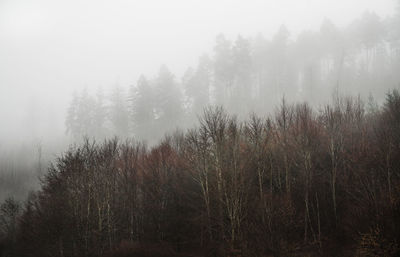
(48, 48)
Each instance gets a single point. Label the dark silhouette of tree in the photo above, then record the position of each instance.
(100, 115)
(80, 120)
(169, 111)
(118, 112)
(280, 70)
(197, 84)
(242, 69)
(71, 122)
(223, 69)
(142, 105)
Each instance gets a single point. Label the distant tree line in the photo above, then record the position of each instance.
(298, 183)
(249, 75)
(147, 106)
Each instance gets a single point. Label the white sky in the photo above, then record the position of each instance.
(50, 47)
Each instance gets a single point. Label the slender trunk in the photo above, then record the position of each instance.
(319, 222)
(109, 225)
(100, 222)
(307, 170)
(389, 175)
(220, 200)
(88, 208)
(207, 201)
(279, 179)
(287, 174)
(334, 193)
(333, 178)
(260, 185)
(305, 222)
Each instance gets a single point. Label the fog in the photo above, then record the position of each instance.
(50, 50)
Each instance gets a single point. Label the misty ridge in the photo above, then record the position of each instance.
(269, 145)
(248, 75)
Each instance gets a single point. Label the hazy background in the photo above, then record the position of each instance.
(50, 48)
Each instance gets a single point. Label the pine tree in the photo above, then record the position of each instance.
(141, 100)
(118, 112)
(223, 69)
(84, 115)
(169, 109)
(197, 85)
(242, 69)
(99, 115)
(71, 118)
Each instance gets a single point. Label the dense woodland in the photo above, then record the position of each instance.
(299, 183)
(317, 176)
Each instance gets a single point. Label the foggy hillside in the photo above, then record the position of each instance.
(49, 50)
(199, 128)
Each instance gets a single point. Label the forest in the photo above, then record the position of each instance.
(299, 183)
(287, 145)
